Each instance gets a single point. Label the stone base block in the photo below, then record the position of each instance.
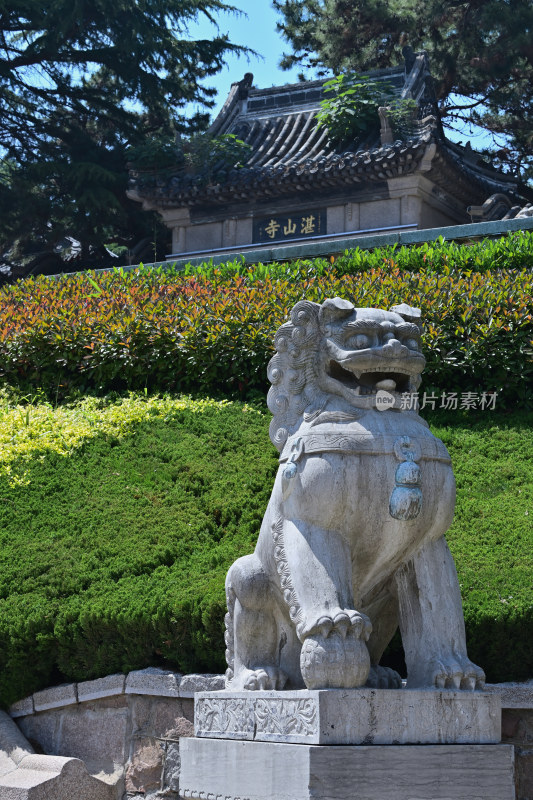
(350, 716)
(218, 769)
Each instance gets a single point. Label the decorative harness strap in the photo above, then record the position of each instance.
(315, 443)
(405, 502)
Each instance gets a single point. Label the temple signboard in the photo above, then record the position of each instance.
(281, 227)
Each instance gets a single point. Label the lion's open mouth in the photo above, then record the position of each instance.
(369, 381)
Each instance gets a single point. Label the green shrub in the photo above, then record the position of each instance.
(202, 157)
(114, 549)
(513, 251)
(350, 106)
(214, 334)
(349, 109)
(114, 552)
(32, 430)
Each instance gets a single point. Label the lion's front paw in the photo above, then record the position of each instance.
(383, 678)
(336, 661)
(456, 672)
(343, 621)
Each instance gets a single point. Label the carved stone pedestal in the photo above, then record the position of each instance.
(350, 716)
(359, 744)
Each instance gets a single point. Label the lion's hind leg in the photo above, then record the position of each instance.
(251, 629)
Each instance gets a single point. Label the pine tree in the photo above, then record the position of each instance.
(80, 82)
(481, 56)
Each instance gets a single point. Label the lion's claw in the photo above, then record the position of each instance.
(459, 674)
(454, 681)
(342, 621)
(325, 626)
(362, 626)
(342, 626)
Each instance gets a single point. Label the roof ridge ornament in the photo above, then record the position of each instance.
(245, 84)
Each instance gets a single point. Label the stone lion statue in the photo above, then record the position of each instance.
(352, 543)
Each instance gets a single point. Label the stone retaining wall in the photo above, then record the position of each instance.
(126, 728)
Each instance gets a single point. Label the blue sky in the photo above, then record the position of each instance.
(258, 31)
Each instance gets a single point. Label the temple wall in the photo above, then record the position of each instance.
(412, 200)
(204, 237)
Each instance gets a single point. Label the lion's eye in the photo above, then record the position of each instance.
(412, 344)
(360, 341)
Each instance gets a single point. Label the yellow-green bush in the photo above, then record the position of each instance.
(34, 430)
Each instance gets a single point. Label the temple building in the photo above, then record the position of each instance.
(297, 184)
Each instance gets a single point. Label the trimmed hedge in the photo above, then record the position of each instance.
(116, 541)
(213, 335)
(114, 552)
(512, 251)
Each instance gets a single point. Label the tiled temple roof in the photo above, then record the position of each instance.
(291, 155)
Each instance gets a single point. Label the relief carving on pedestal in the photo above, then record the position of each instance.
(256, 715)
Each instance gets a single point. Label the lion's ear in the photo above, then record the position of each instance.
(409, 314)
(335, 309)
